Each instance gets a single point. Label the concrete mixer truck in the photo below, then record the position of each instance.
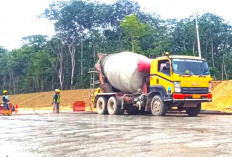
(137, 84)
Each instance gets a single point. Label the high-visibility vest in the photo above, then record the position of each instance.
(56, 98)
(5, 98)
(94, 94)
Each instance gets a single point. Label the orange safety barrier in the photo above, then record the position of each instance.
(78, 106)
(1, 109)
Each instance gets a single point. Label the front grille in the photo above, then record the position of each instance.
(186, 90)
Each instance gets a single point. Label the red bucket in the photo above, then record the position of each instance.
(78, 106)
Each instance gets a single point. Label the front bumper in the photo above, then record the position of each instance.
(177, 97)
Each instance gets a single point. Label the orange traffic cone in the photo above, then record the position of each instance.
(16, 108)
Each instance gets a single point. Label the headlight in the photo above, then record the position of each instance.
(210, 87)
(177, 87)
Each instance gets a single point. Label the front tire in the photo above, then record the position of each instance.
(158, 107)
(101, 105)
(192, 112)
(113, 107)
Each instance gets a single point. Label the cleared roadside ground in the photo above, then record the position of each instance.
(82, 134)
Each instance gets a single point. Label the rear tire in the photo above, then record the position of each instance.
(113, 107)
(158, 107)
(192, 112)
(101, 105)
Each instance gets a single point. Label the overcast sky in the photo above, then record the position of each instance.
(18, 18)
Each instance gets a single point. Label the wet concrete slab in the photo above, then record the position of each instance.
(82, 134)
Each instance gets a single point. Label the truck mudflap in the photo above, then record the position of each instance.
(192, 97)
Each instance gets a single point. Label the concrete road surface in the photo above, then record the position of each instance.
(81, 134)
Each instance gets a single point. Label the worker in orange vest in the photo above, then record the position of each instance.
(6, 106)
(56, 101)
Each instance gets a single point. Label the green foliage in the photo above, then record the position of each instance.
(35, 41)
(85, 28)
(134, 30)
(214, 72)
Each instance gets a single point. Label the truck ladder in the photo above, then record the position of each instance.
(93, 82)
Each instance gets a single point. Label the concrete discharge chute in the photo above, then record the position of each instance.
(123, 71)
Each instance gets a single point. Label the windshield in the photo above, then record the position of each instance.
(190, 67)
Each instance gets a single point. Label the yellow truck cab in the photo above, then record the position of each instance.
(179, 82)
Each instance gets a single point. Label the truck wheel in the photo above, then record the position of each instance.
(192, 112)
(101, 105)
(132, 110)
(113, 107)
(158, 107)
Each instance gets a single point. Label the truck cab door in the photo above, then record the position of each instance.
(161, 78)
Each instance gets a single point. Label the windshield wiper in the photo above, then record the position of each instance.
(201, 75)
(188, 74)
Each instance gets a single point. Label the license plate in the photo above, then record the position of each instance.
(196, 96)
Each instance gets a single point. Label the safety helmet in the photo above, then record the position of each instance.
(98, 89)
(57, 90)
(5, 91)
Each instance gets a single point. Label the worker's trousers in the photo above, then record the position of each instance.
(56, 107)
(6, 106)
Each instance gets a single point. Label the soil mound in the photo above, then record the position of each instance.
(222, 98)
(43, 100)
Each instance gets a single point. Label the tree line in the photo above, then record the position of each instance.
(85, 28)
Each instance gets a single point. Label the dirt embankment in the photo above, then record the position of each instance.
(222, 99)
(43, 100)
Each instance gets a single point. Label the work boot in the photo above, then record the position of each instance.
(57, 111)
